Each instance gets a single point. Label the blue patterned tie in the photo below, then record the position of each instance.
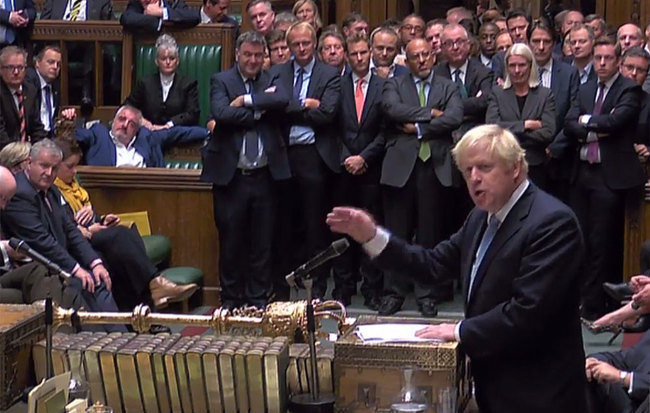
(488, 236)
(541, 75)
(10, 34)
(297, 87)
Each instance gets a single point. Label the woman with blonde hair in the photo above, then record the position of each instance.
(307, 11)
(526, 108)
(15, 155)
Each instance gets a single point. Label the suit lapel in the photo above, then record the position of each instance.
(60, 8)
(476, 239)
(9, 100)
(370, 98)
(511, 99)
(530, 104)
(612, 96)
(313, 80)
(507, 230)
(470, 75)
(410, 90)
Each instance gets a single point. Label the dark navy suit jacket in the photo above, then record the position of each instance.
(324, 85)
(22, 34)
(526, 286)
(221, 154)
(134, 19)
(99, 149)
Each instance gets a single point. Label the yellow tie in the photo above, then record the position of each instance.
(76, 8)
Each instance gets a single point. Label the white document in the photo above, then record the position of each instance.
(391, 333)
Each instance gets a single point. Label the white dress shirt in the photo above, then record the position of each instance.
(127, 155)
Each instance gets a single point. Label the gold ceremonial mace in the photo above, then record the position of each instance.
(282, 318)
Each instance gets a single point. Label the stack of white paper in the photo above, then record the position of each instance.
(391, 333)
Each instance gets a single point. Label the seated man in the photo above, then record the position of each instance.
(37, 216)
(30, 282)
(148, 15)
(128, 144)
(620, 380)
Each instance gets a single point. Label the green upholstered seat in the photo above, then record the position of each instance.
(184, 275)
(159, 249)
(196, 61)
(173, 164)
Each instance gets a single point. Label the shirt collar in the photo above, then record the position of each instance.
(548, 67)
(307, 68)
(463, 68)
(42, 81)
(204, 17)
(167, 79)
(485, 60)
(391, 68)
(366, 78)
(118, 143)
(611, 81)
(502, 214)
(428, 79)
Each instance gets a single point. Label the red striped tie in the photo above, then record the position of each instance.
(21, 115)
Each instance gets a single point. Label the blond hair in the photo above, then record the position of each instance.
(521, 49)
(501, 144)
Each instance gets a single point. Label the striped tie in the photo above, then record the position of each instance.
(76, 9)
(21, 115)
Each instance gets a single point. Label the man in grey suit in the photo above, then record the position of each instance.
(422, 110)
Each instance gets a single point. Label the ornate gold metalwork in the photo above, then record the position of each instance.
(278, 319)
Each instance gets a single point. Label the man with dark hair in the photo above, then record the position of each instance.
(487, 41)
(355, 23)
(572, 19)
(603, 126)
(19, 109)
(581, 40)
(44, 76)
(432, 34)
(518, 22)
(216, 11)
(563, 80)
(384, 44)
(635, 65)
(278, 49)
(242, 160)
(412, 27)
(362, 149)
(421, 110)
(309, 129)
(261, 15)
(148, 15)
(331, 50)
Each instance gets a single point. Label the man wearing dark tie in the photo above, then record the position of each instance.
(20, 120)
(362, 150)
(603, 128)
(44, 77)
(243, 157)
(474, 82)
(309, 129)
(422, 110)
(563, 80)
(520, 255)
(37, 215)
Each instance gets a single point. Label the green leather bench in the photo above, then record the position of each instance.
(196, 61)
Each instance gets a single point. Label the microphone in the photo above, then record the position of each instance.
(334, 250)
(21, 246)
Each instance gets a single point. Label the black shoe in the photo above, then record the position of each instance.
(372, 303)
(428, 308)
(619, 292)
(389, 306)
(641, 325)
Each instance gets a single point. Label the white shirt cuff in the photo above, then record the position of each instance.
(629, 391)
(378, 243)
(165, 15)
(248, 100)
(457, 331)
(6, 264)
(584, 119)
(417, 126)
(170, 124)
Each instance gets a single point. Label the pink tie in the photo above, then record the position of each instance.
(359, 99)
(592, 147)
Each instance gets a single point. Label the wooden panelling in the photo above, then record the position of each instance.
(637, 231)
(618, 12)
(179, 206)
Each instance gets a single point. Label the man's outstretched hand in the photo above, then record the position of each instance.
(354, 222)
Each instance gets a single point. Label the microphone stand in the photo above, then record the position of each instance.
(314, 401)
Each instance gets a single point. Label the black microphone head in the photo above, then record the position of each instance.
(340, 245)
(16, 244)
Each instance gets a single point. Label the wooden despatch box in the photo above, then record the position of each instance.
(368, 377)
(20, 327)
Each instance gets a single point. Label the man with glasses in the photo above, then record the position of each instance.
(422, 110)
(241, 161)
(412, 27)
(19, 109)
(634, 65)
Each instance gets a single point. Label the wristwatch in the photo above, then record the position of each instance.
(623, 375)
